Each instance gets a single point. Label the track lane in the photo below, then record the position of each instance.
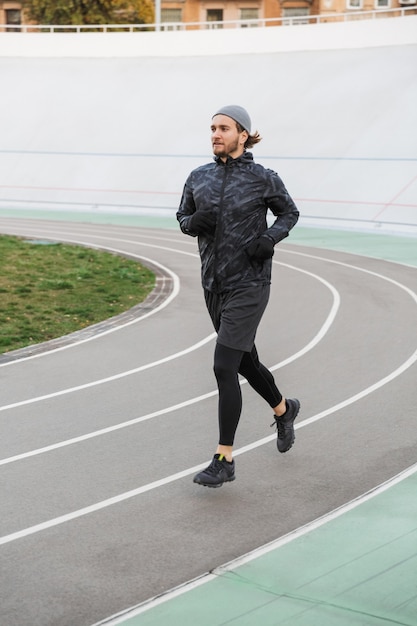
(288, 489)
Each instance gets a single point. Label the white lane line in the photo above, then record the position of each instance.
(166, 302)
(197, 399)
(84, 242)
(179, 475)
(340, 405)
(112, 378)
(320, 521)
(107, 430)
(316, 257)
(31, 530)
(316, 339)
(97, 507)
(49, 233)
(409, 291)
(323, 330)
(151, 603)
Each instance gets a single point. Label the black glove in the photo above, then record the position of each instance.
(202, 222)
(261, 248)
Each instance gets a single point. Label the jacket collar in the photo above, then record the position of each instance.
(245, 157)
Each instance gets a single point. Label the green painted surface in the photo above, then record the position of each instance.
(358, 569)
(122, 219)
(402, 249)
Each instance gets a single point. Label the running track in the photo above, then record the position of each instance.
(101, 436)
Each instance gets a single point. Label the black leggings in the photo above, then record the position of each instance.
(228, 363)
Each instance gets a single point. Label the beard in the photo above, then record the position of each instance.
(223, 150)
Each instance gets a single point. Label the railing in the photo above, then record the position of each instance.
(166, 26)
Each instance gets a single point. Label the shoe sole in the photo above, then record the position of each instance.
(228, 480)
(298, 406)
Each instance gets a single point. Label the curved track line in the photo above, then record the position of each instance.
(197, 399)
(93, 508)
(323, 330)
(310, 345)
(179, 475)
(104, 431)
(168, 300)
(174, 277)
(109, 379)
(410, 292)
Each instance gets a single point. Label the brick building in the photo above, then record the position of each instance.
(12, 12)
(219, 10)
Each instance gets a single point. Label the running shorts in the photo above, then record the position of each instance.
(236, 315)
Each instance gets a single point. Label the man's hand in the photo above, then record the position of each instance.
(261, 248)
(202, 222)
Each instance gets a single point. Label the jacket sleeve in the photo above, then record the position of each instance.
(279, 201)
(187, 208)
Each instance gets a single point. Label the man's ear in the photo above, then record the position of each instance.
(243, 137)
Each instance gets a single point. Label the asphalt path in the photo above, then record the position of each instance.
(102, 432)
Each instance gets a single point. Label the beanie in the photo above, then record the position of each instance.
(237, 113)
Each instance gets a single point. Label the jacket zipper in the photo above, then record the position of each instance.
(216, 284)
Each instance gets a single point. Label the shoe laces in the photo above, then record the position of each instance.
(214, 467)
(279, 423)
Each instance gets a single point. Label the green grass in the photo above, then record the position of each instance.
(50, 290)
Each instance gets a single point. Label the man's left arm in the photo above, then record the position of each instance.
(279, 201)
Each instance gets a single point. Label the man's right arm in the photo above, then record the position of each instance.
(186, 210)
(193, 222)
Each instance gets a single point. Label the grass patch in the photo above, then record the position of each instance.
(47, 291)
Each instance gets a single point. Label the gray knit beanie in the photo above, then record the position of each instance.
(237, 113)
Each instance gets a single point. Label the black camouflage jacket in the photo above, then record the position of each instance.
(240, 192)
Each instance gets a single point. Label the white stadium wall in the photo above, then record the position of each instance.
(114, 122)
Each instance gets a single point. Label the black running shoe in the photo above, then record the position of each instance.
(218, 472)
(285, 425)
